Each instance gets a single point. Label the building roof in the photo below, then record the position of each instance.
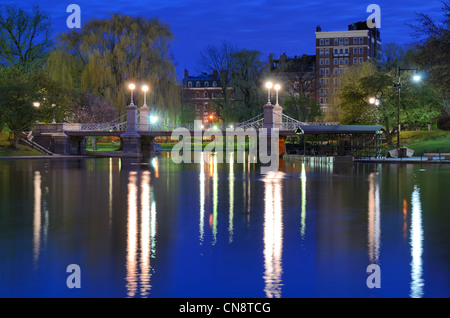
(337, 129)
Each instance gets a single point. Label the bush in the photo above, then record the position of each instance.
(443, 120)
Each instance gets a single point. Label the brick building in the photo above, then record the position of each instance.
(295, 74)
(200, 92)
(337, 50)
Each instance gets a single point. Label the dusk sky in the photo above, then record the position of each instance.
(268, 26)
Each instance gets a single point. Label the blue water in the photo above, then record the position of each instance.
(155, 229)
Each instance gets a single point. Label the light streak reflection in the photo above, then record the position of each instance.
(374, 218)
(141, 235)
(416, 239)
(273, 235)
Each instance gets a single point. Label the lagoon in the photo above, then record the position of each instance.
(153, 228)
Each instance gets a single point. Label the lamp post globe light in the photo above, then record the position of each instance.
(132, 87)
(277, 88)
(145, 89)
(269, 85)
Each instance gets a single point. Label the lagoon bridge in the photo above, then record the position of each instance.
(137, 133)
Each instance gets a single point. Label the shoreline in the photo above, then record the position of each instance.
(412, 160)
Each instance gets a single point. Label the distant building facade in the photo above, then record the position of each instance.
(337, 50)
(200, 92)
(296, 75)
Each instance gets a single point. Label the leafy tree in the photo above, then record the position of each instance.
(419, 103)
(247, 75)
(25, 40)
(302, 108)
(89, 108)
(187, 114)
(105, 55)
(443, 120)
(19, 91)
(433, 47)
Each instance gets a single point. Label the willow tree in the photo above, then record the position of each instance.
(105, 55)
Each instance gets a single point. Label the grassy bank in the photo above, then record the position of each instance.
(425, 141)
(6, 149)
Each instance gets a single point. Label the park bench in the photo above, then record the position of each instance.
(431, 155)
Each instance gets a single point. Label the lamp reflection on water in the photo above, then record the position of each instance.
(131, 264)
(374, 218)
(273, 234)
(37, 216)
(416, 239)
(231, 198)
(140, 231)
(303, 213)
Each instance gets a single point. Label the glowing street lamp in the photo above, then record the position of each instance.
(132, 87)
(153, 119)
(145, 90)
(269, 85)
(54, 119)
(398, 85)
(277, 88)
(374, 101)
(36, 104)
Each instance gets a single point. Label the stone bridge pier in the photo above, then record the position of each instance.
(134, 144)
(273, 120)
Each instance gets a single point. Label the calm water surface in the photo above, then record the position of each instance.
(154, 228)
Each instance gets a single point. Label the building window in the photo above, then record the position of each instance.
(327, 81)
(355, 60)
(206, 84)
(321, 100)
(197, 107)
(336, 71)
(197, 95)
(361, 41)
(361, 60)
(355, 50)
(321, 41)
(327, 51)
(360, 50)
(197, 84)
(321, 52)
(336, 41)
(321, 71)
(341, 41)
(327, 42)
(213, 95)
(346, 60)
(346, 41)
(205, 95)
(341, 61)
(346, 51)
(214, 84)
(336, 81)
(189, 84)
(321, 81)
(296, 84)
(321, 61)
(327, 71)
(335, 61)
(355, 40)
(327, 61)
